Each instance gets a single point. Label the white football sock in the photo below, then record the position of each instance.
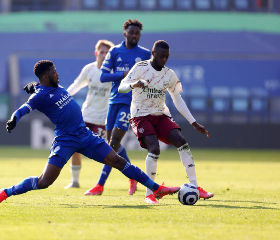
(151, 169)
(75, 171)
(187, 160)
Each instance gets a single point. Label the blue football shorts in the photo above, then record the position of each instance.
(118, 116)
(83, 141)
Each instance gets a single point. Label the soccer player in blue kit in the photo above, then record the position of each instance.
(120, 59)
(70, 136)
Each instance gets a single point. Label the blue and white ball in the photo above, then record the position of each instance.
(188, 194)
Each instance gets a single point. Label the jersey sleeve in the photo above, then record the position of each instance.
(108, 62)
(35, 101)
(80, 82)
(175, 86)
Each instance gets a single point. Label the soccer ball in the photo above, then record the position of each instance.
(188, 194)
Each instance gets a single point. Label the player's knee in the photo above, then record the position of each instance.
(154, 148)
(181, 141)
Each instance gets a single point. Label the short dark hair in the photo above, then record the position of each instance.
(41, 67)
(160, 44)
(134, 22)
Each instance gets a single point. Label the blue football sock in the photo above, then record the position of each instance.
(26, 185)
(104, 174)
(122, 153)
(137, 174)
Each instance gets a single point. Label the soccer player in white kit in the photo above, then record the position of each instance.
(95, 107)
(150, 117)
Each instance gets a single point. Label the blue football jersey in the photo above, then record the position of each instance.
(120, 59)
(59, 106)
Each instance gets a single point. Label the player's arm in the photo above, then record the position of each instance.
(132, 80)
(35, 101)
(106, 69)
(80, 82)
(16, 116)
(184, 110)
(174, 89)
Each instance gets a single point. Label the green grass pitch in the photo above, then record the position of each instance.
(246, 204)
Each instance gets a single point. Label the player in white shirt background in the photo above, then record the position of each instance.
(95, 107)
(150, 117)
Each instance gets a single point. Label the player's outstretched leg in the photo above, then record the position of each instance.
(48, 176)
(75, 169)
(105, 172)
(137, 174)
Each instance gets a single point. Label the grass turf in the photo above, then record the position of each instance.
(245, 206)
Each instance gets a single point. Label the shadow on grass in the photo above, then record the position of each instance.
(238, 201)
(236, 207)
(112, 206)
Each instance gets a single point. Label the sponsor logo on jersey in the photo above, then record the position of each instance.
(119, 59)
(138, 59)
(51, 95)
(64, 100)
(122, 69)
(108, 56)
(141, 130)
(154, 93)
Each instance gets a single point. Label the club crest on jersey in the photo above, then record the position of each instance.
(56, 149)
(138, 59)
(141, 130)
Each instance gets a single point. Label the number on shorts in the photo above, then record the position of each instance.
(101, 132)
(125, 117)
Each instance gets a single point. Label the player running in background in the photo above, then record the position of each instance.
(151, 120)
(120, 59)
(95, 107)
(71, 135)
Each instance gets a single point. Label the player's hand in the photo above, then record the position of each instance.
(200, 128)
(140, 84)
(125, 73)
(30, 87)
(11, 124)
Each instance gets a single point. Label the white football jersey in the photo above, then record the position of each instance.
(151, 99)
(95, 107)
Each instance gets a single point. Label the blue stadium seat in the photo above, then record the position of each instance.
(197, 98)
(184, 4)
(220, 99)
(221, 4)
(259, 100)
(202, 4)
(241, 4)
(148, 4)
(111, 4)
(240, 99)
(129, 4)
(91, 3)
(166, 4)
